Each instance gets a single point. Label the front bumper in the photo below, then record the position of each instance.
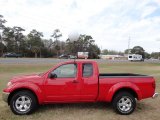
(155, 95)
(5, 96)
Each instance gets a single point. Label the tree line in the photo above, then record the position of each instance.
(12, 39)
(135, 50)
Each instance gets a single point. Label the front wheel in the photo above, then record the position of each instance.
(124, 103)
(23, 102)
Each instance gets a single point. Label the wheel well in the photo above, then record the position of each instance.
(21, 89)
(131, 91)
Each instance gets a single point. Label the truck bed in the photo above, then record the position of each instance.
(102, 75)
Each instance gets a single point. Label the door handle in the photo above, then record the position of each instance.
(75, 81)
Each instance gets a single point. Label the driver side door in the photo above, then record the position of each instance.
(65, 86)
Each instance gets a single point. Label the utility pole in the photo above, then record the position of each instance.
(159, 48)
(101, 49)
(129, 40)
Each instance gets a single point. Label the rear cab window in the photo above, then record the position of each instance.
(87, 69)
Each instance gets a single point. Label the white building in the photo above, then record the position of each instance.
(113, 57)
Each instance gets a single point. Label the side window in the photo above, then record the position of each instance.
(66, 71)
(87, 69)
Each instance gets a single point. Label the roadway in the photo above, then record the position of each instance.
(53, 61)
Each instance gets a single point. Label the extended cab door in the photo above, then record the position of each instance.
(89, 74)
(65, 86)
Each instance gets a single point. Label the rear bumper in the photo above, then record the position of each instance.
(155, 95)
(5, 96)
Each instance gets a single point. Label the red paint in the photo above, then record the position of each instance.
(81, 89)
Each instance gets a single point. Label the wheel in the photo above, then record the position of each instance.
(23, 102)
(124, 103)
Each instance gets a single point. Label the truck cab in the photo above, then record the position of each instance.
(72, 82)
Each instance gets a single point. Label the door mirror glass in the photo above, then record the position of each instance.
(52, 75)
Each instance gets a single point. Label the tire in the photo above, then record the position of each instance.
(23, 102)
(124, 103)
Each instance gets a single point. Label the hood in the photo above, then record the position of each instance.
(30, 77)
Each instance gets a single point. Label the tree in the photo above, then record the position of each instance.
(57, 45)
(2, 46)
(85, 43)
(81, 44)
(155, 55)
(147, 55)
(35, 42)
(138, 50)
(94, 51)
(9, 39)
(127, 51)
(19, 38)
(105, 52)
(114, 52)
(56, 34)
(2, 21)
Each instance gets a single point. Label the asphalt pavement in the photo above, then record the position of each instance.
(53, 61)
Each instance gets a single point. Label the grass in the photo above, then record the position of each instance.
(146, 109)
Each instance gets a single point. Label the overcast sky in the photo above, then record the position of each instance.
(109, 22)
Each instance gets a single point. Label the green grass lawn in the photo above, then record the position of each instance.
(148, 109)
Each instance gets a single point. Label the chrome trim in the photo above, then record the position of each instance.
(5, 96)
(155, 95)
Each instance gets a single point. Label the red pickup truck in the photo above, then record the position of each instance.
(78, 81)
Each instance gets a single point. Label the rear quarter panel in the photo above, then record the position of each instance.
(143, 86)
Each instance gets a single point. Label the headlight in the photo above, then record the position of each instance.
(9, 84)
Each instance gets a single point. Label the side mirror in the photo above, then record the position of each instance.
(52, 75)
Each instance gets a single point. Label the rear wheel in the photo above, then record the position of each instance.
(124, 103)
(23, 102)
